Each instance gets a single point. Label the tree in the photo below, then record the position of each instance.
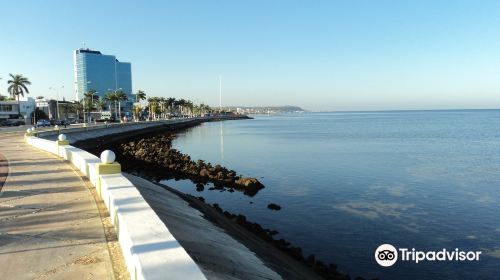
(162, 103)
(77, 106)
(153, 106)
(189, 106)
(112, 96)
(39, 114)
(18, 85)
(101, 104)
(121, 96)
(137, 111)
(179, 104)
(140, 95)
(170, 104)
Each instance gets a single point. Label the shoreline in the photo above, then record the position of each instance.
(214, 213)
(222, 248)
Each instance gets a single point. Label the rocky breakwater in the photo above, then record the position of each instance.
(157, 150)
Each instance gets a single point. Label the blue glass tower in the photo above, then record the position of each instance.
(103, 73)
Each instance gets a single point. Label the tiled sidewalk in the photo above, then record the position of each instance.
(50, 227)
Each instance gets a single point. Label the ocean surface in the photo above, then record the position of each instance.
(349, 182)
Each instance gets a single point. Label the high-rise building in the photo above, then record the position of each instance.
(102, 73)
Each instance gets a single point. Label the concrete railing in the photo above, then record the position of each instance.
(131, 125)
(149, 249)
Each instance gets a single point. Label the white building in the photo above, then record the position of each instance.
(9, 109)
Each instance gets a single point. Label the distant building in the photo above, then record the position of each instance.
(102, 73)
(65, 111)
(8, 109)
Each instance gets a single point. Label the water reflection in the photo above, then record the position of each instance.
(221, 142)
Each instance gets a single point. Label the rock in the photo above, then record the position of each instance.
(249, 183)
(273, 206)
(204, 173)
(311, 260)
(217, 207)
(296, 253)
(157, 150)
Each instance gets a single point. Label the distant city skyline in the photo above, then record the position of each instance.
(321, 55)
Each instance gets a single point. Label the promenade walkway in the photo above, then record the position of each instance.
(50, 227)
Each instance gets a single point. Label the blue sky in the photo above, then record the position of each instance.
(320, 55)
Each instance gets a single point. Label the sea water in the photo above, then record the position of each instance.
(348, 182)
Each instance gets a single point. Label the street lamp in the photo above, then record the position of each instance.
(90, 107)
(83, 100)
(57, 99)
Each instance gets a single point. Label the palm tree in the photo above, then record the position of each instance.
(101, 104)
(112, 96)
(153, 106)
(170, 104)
(180, 105)
(18, 86)
(140, 95)
(176, 106)
(162, 102)
(137, 111)
(77, 107)
(121, 96)
(189, 105)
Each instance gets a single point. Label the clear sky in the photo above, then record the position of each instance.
(320, 55)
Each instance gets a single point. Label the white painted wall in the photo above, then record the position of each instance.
(149, 249)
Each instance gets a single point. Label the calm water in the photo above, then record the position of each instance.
(349, 182)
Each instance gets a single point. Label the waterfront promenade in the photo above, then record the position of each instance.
(50, 226)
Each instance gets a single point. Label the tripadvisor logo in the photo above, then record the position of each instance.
(387, 255)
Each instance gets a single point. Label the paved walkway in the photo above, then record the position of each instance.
(50, 226)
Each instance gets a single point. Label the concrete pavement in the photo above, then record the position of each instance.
(50, 227)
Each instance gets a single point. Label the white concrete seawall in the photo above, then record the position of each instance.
(149, 249)
(74, 133)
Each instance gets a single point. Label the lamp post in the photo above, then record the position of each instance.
(50, 115)
(57, 99)
(90, 107)
(83, 100)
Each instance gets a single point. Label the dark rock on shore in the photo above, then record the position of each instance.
(273, 206)
(157, 150)
(327, 271)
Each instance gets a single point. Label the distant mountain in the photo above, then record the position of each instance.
(268, 109)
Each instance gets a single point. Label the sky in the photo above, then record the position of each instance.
(319, 55)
